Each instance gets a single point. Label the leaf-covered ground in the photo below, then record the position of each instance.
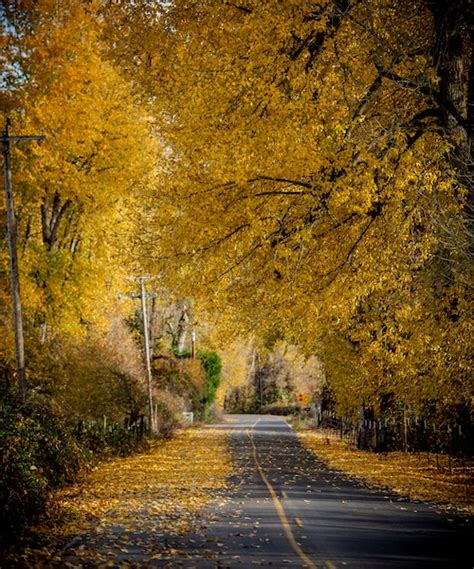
(420, 476)
(131, 512)
(123, 512)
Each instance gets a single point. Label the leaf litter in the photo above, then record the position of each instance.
(419, 476)
(124, 512)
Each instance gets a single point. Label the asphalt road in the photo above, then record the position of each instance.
(288, 510)
(284, 508)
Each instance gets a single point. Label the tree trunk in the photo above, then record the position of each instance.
(51, 218)
(182, 330)
(454, 60)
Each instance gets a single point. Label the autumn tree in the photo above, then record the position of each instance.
(284, 376)
(76, 191)
(318, 175)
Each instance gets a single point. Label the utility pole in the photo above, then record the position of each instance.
(257, 370)
(143, 295)
(14, 273)
(146, 333)
(193, 343)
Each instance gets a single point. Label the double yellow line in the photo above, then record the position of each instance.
(279, 508)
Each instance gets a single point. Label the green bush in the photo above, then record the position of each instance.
(40, 450)
(212, 365)
(99, 442)
(122, 442)
(182, 377)
(37, 453)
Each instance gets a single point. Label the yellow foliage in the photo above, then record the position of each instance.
(236, 367)
(309, 178)
(76, 191)
(309, 182)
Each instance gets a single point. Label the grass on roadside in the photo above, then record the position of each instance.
(420, 476)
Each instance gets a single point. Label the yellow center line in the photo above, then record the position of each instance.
(279, 508)
(330, 565)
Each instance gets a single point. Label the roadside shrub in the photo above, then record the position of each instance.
(242, 399)
(41, 450)
(282, 410)
(122, 442)
(99, 441)
(212, 365)
(60, 455)
(166, 420)
(37, 453)
(182, 378)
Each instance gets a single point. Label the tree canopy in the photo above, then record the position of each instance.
(301, 170)
(317, 178)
